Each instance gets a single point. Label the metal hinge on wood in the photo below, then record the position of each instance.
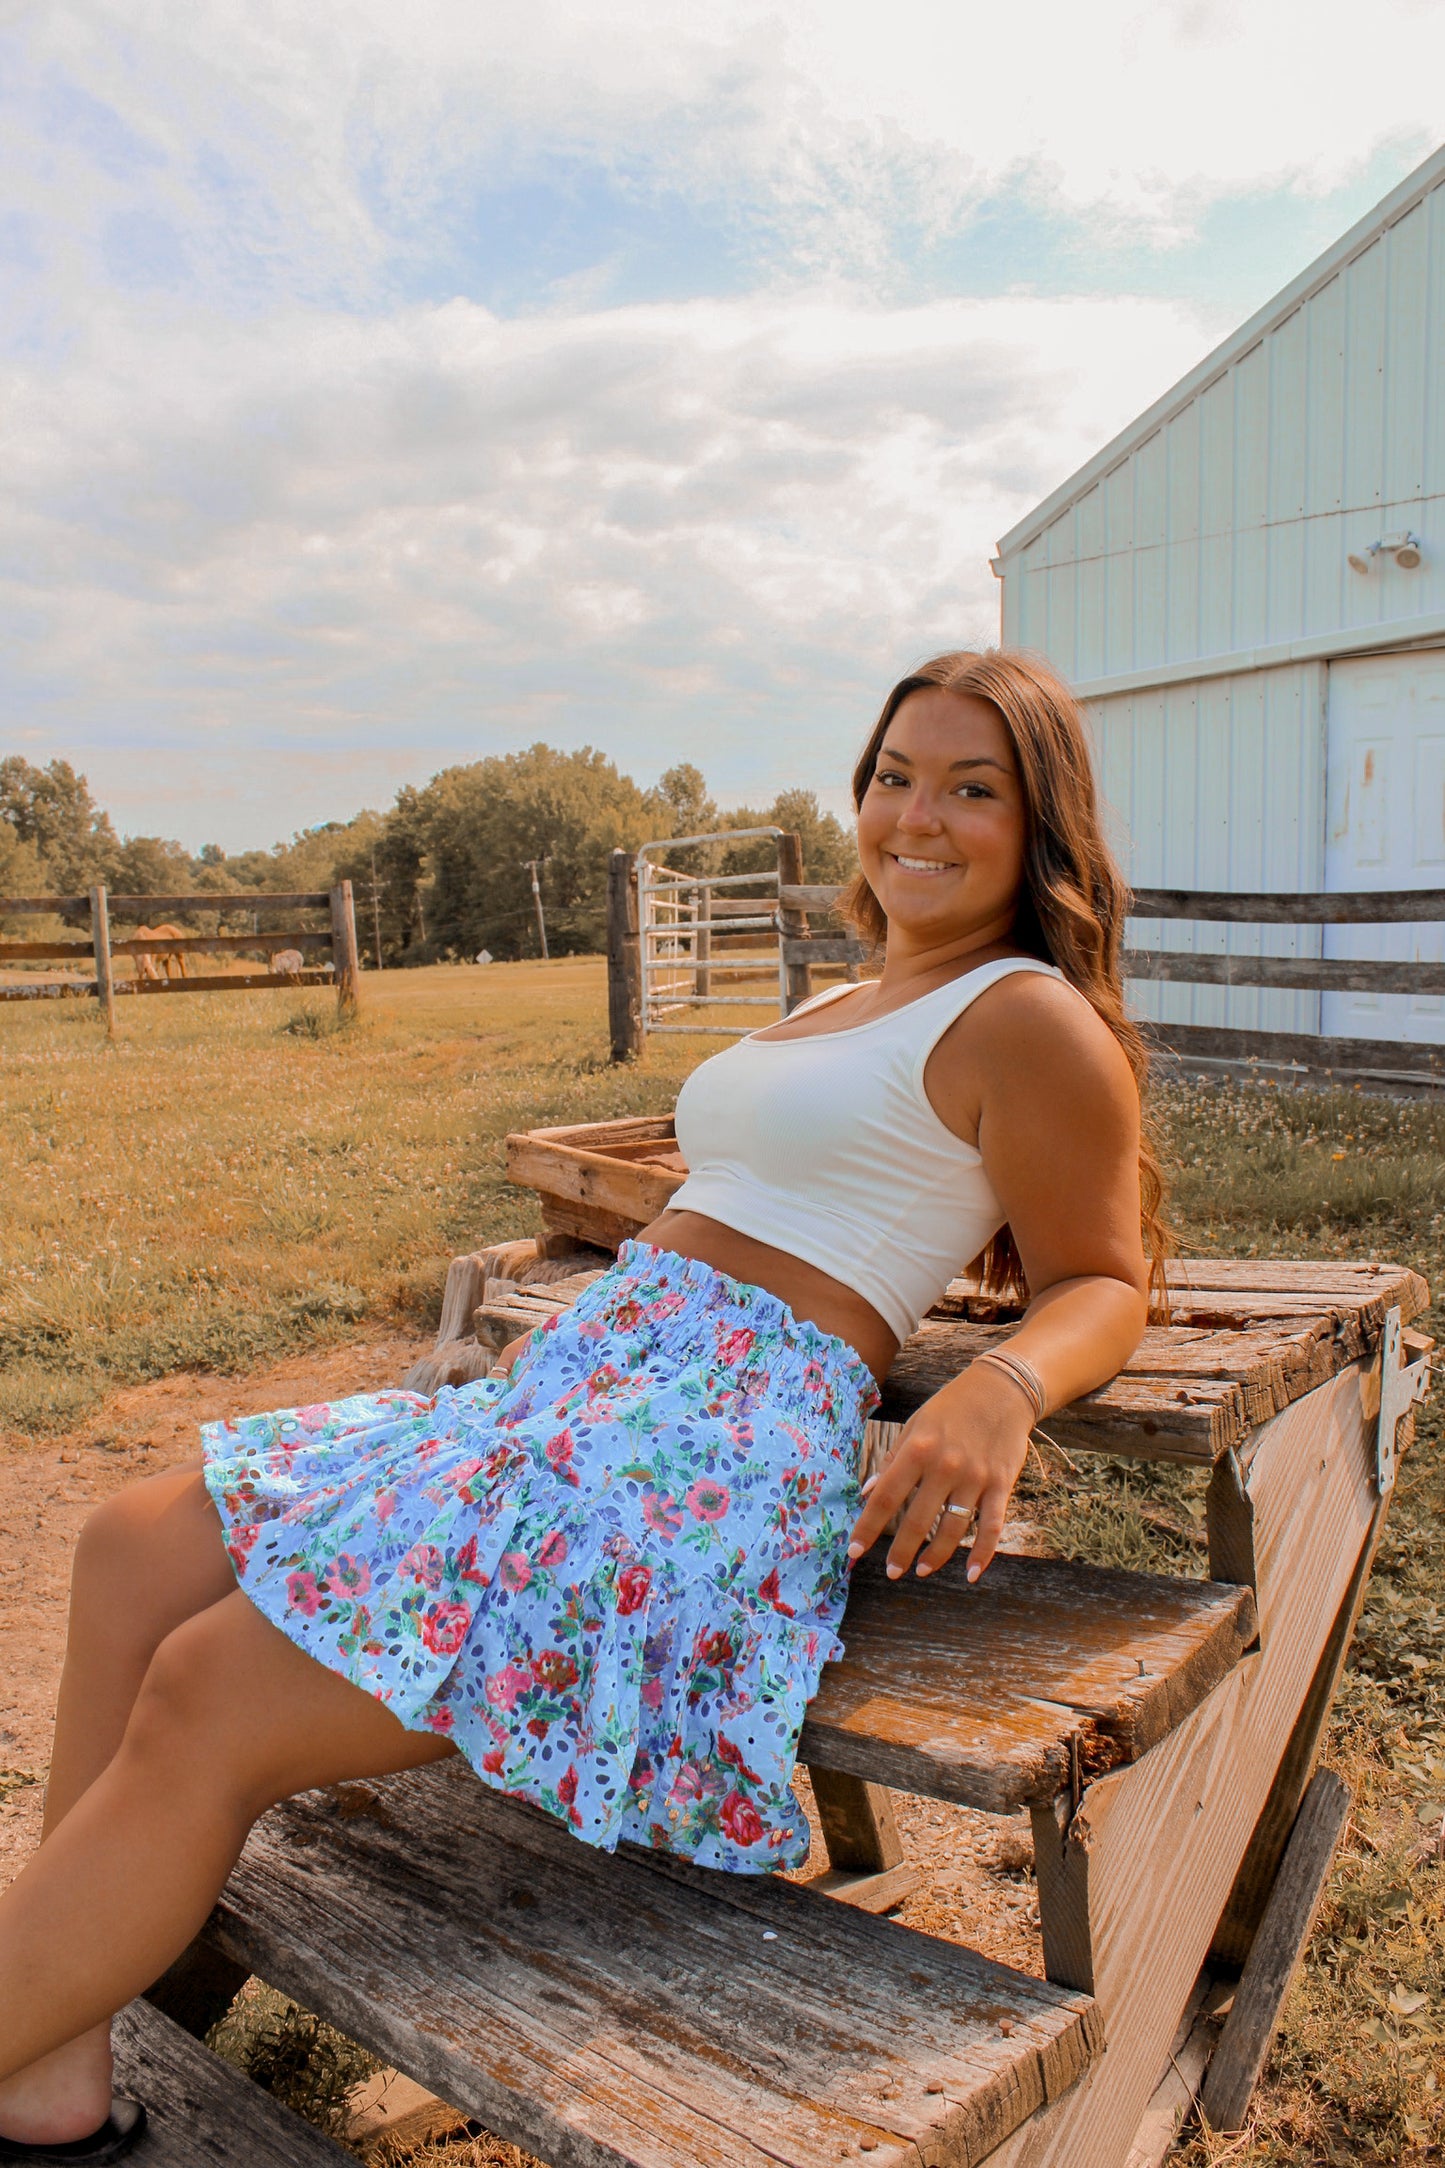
(1400, 1377)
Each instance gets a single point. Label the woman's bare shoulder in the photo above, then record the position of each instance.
(1029, 1038)
(1042, 1021)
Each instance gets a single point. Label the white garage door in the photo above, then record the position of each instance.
(1385, 791)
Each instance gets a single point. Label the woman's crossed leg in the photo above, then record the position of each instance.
(183, 1715)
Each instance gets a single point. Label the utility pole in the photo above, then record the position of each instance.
(375, 907)
(531, 865)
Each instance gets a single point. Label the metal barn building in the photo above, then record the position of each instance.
(1247, 587)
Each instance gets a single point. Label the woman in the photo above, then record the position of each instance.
(611, 1578)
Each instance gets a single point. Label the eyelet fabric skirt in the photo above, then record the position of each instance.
(612, 1579)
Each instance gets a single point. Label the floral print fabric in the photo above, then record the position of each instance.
(612, 1579)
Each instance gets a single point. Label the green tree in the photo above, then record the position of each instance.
(21, 874)
(680, 804)
(452, 857)
(52, 809)
(384, 859)
(152, 866)
(829, 853)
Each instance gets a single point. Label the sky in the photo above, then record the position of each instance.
(383, 387)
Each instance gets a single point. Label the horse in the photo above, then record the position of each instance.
(167, 963)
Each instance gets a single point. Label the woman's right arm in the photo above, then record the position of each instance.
(502, 1367)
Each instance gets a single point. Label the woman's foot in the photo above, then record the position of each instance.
(123, 2128)
(66, 2095)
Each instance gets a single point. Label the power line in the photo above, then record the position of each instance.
(531, 865)
(375, 907)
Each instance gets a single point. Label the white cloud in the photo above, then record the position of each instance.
(337, 130)
(268, 485)
(712, 529)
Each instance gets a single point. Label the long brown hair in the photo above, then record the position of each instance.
(1075, 900)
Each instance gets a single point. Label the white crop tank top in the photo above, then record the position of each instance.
(827, 1148)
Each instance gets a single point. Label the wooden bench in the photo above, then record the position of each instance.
(200, 2111)
(1161, 1732)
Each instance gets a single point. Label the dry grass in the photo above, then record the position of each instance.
(231, 1179)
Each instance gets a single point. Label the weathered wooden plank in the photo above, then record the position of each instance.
(802, 896)
(1275, 1955)
(201, 2111)
(222, 943)
(237, 982)
(628, 2010)
(884, 1891)
(1381, 1058)
(1286, 1275)
(50, 990)
(1316, 974)
(216, 943)
(1158, 1417)
(588, 1223)
(587, 1177)
(1418, 906)
(1366, 907)
(31, 906)
(1002, 1694)
(1240, 1920)
(226, 899)
(14, 952)
(859, 1829)
(1131, 1888)
(100, 944)
(624, 970)
(650, 1152)
(1178, 2087)
(598, 1136)
(793, 924)
(802, 952)
(345, 953)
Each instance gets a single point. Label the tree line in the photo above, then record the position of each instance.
(442, 874)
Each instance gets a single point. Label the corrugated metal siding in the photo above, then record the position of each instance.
(1220, 784)
(1230, 526)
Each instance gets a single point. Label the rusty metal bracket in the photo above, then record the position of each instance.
(1401, 1384)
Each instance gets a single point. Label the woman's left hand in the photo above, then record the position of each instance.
(965, 1449)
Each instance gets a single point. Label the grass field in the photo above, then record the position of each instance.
(234, 1177)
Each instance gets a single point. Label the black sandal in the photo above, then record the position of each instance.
(116, 2135)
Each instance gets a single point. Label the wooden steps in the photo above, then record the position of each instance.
(638, 2010)
(600, 2010)
(1040, 1678)
(202, 2112)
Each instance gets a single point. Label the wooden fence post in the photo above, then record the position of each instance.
(100, 944)
(794, 923)
(343, 949)
(702, 945)
(624, 959)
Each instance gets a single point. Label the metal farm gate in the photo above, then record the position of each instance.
(678, 916)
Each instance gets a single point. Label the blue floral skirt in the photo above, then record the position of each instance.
(612, 1579)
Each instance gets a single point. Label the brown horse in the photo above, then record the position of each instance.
(168, 963)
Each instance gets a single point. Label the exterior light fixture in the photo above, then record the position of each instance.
(1406, 549)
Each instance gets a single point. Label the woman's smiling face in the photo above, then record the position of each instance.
(942, 826)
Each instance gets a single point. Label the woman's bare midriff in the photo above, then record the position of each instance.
(810, 1294)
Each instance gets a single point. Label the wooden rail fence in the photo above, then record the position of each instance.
(339, 938)
(1365, 1058)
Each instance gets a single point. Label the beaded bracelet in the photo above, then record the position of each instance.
(1023, 1374)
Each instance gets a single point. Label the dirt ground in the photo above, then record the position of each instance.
(975, 1886)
